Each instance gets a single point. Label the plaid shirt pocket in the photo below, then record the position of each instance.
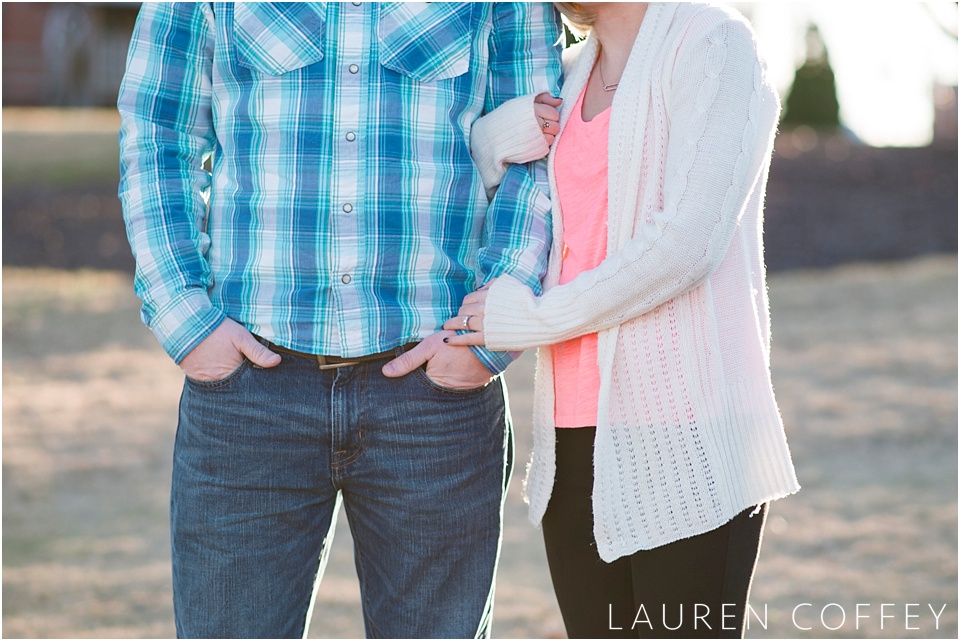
(278, 37)
(426, 41)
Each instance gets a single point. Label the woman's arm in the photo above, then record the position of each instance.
(520, 130)
(723, 116)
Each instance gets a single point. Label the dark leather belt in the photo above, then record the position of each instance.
(333, 362)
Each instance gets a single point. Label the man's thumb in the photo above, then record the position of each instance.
(406, 362)
(257, 353)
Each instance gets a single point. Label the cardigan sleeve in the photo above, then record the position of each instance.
(508, 134)
(511, 133)
(722, 116)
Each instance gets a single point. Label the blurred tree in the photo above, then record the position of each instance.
(813, 96)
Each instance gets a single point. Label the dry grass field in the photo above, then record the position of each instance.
(865, 366)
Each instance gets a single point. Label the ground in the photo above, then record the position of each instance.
(864, 364)
(865, 367)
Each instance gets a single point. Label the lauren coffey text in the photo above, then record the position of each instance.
(803, 616)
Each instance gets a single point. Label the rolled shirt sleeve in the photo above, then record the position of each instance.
(166, 129)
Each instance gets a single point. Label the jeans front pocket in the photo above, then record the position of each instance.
(423, 377)
(426, 41)
(220, 383)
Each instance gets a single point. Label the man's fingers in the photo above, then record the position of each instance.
(257, 353)
(473, 338)
(408, 361)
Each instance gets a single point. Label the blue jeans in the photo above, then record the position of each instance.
(262, 462)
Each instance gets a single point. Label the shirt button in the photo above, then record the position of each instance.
(351, 136)
(347, 207)
(353, 69)
(356, 4)
(346, 279)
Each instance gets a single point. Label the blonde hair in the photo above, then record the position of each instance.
(577, 15)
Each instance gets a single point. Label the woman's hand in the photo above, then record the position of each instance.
(545, 108)
(470, 317)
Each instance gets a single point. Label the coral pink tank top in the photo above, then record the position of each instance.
(581, 172)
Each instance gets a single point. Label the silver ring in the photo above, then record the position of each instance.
(466, 322)
(545, 125)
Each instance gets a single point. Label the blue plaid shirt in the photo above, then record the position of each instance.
(344, 214)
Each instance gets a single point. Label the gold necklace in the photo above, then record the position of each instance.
(606, 87)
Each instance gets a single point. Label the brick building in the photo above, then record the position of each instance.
(67, 54)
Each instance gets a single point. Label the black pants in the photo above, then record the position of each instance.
(695, 587)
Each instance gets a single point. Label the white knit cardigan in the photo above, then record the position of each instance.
(688, 430)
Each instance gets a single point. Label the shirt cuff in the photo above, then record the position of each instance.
(184, 322)
(496, 362)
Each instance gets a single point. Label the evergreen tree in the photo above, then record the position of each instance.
(813, 97)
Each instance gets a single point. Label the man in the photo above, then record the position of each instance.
(342, 224)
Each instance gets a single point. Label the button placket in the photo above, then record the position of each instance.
(352, 56)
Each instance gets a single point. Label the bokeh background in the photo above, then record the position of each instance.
(861, 243)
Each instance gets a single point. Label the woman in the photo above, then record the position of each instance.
(657, 438)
